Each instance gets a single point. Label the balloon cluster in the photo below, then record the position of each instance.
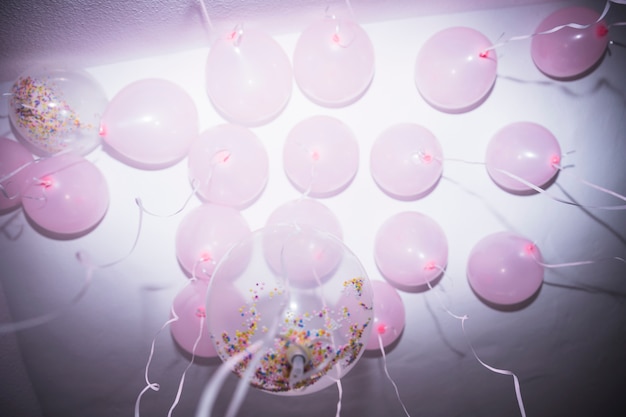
(292, 290)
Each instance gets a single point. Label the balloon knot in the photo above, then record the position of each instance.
(381, 329)
(484, 54)
(602, 30)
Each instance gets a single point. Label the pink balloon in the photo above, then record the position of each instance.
(525, 150)
(333, 62)
(389, 315)
(249, 77)
(150, 123)
(66, 194)
(410, 250)
(14, 160)
(321, 156)
(55, 109)
(308, 212)
(450, 72)
(205, 235)
(569, 52)
(406, 161)
(190, 329)
(229, 166)
(504, 269)
(307, 256)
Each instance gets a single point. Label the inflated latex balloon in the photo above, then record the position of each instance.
(410, 250)
(522, 150)
(308, 212)
(389, 315)
(569, 52)
(452, 72)
(228, 165)
(55, 109)
(189, 330)
(333, 62)
(205, 235)
(504, 269)
(150, 123)
(14, 161)
(309, 336)
(66, 194)
(249, 77)
(321, 156)
(406, 161)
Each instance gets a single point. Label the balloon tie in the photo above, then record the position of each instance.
(395, 386)
(340, 399)
(205, 15)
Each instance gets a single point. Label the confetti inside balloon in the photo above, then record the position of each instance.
(55, 109)
(310, 336)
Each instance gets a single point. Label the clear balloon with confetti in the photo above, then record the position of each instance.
(55, 109)
(298, 329)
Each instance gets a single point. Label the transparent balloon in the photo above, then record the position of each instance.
(569, 52)
(14, 159)
(406, 161)
(150, 123)
(55, 109)
(410, 250)
(205, 235)
(333, 62)
(312, 329)
(522, 150)
(228, 165)
(389, 316)
(248, 77)
(505, 269)
(321, 156)
(66, 194)
(452, 72)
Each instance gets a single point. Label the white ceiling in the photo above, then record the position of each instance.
(91, 32)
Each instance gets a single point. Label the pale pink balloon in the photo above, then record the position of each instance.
(228, 165)
(66, 194)
(454, 72)
(410, 250)
(569, 52)
(305, 255)
(326, 326)
(249, 77)
(389, 315)
(504, 269)
(308, 212)
(57, 109)
(14, 159)
(333, 62)
(205, 235)
(190, 330)
(321, 156)
(406, 161)
(526, 150)
(150, 123)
